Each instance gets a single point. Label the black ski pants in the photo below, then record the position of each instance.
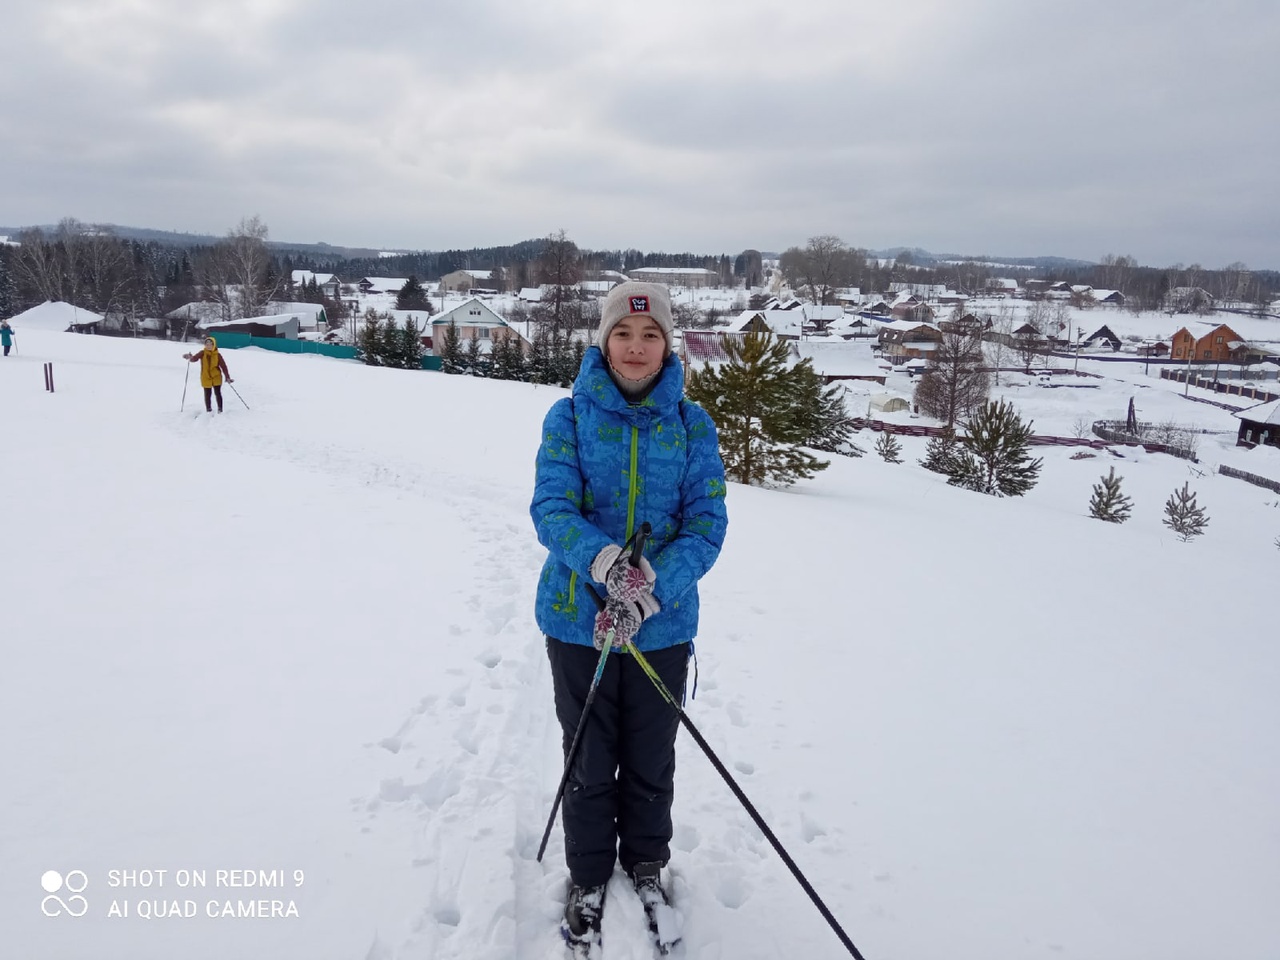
(617, 802)
(215, 391)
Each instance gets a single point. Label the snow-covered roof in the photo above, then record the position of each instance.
(839, 358)
(671, 271)
(472, 312)
(305, 310)
(531, 294)
(54, 315)
(1262, 413)
(781, 322)
(905, 325)
(306, 276)
(479, 274)
(1101, 295)
(384, 284)
(826, 312)
(275, 320)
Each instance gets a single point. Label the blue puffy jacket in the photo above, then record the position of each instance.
(606, 466)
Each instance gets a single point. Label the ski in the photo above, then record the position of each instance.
(583, 909)
(664, 927)
(664, 922)
(585, 947)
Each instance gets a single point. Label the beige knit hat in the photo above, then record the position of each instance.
(636, 298)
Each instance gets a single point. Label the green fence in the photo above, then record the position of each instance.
(234, 341)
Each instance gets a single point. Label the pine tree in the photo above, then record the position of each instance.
(508, 358)
(8, 292)
(538, 362)
(992, 458)
(413, 296)
(410, 349)
(1182, 516)
(390, 343)
(889, 448)
(369, 342)
(451, 359)
(827, 425)
(756, 400)
(940, 453)
(473, 357)
(1108, 502)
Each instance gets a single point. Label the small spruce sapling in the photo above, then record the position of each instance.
(1183, 516)
(940, 454)
(992, 457)
(1108, 502)
(889, 448)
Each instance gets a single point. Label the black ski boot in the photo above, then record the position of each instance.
(581, 924)
(664, 924)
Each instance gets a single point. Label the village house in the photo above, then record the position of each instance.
(902, 340)
(783, 324)
(834, 360)
(283, 326)
(474, 319)
(381, 284)
(469, 281)
(1189, 300)
(1260, 425)
(311, 316)
(1108, 298)
(677, 276)
(969, 324)
(1101, 336)
(908, 306)
(327, 283)
(1221, 344)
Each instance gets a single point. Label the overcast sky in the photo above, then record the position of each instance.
(1003, 127)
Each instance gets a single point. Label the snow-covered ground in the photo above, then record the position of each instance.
(300, 638)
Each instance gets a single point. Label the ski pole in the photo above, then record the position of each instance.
(742, 798)
(184, 388)
(237, 393)
(641, 536)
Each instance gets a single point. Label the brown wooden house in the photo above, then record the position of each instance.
(1216, 346)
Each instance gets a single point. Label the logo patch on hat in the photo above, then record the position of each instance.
(639, 304)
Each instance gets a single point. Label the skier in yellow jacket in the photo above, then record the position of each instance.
(212, 370)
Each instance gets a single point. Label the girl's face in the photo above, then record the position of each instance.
(636, 347)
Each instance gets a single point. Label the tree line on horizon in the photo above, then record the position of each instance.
(92, 268)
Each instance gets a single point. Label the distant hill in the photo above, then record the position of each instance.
(174, 239)
(925, 258)
(329, 252)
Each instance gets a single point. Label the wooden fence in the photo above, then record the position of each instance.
(1231, 389)
(1253, 478)
(915, 430)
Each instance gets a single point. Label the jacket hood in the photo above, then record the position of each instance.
(595, 383)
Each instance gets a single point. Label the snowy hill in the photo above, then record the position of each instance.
(300, 638)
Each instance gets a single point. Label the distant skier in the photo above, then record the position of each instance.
(6, 336)
(212, 369)
(626, 448)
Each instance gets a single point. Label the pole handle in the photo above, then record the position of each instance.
(637, 548)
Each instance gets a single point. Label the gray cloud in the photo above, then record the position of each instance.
(989, 126)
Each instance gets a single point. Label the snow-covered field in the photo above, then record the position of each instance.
(300, 638)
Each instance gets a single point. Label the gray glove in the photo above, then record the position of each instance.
(624, 618)
(612, 567)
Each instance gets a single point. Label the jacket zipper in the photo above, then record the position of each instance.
(632, 491)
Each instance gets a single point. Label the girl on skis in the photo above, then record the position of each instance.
(625, 449)
(212, 369)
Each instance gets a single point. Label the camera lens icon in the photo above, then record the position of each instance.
(74, 884)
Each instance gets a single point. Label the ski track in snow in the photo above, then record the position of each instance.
(470, 775)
